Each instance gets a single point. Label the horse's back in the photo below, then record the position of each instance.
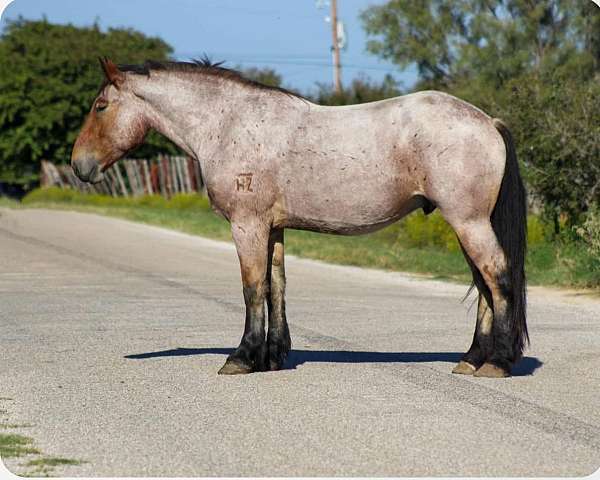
(361, 167)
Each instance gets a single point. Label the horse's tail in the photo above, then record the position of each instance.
(509, 221)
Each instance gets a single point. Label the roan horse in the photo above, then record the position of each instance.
(273, 160)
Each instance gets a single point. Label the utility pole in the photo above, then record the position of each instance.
(337, 68)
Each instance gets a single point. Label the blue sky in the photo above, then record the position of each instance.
(290, 36)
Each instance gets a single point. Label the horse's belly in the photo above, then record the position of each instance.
(348, 207)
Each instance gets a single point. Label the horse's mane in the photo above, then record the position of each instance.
(202, 66)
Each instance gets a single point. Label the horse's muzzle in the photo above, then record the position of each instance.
(87, 169)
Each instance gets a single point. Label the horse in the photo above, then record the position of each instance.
(270, 160)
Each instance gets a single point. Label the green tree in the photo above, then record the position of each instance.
(361, 90)
(49, 75)
(495, 40)
(557, 125)
(589, 28)
(266, 76)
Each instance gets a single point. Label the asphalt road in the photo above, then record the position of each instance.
(111, 335)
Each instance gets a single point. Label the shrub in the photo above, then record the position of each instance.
(419, 230)
(538, 231)
(589, 232)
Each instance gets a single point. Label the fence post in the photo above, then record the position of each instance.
(120, 180)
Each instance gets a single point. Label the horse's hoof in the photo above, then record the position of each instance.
(276, 364)
(490, 370)
(277, 359)
(464, 368)
(232, 367)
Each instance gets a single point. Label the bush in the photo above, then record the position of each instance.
(538, 231)
(419, 230)
(589, 232)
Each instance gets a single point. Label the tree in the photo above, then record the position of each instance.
(557, 125)
(266, 76)
(589, 27)
(449, 40)
(49, 76)
(361, 90)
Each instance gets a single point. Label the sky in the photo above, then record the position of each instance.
(290, 36)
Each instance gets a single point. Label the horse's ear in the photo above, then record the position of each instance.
(112, 72)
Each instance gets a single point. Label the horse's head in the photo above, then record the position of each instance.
(115, 125)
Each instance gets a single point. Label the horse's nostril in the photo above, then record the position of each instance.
(93, 172)
(85, 168)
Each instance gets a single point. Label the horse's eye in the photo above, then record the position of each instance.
(101, 106)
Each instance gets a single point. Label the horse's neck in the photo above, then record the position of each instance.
(199, 117)
(176, 110)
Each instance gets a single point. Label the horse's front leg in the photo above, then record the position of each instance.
(278, 335)
(251, 241)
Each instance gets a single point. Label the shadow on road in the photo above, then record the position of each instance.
(526, 366)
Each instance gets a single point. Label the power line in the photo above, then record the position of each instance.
(261, 12)
(309, 63)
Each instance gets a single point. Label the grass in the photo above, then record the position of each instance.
(13, 445)
(417, 244)
(44, 466)
(6, 426)
(7, 202)
(52, 462)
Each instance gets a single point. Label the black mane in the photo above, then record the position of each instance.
(203, 66)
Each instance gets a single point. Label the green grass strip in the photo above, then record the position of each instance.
(416, 244)
(12, 445)
(52, 462)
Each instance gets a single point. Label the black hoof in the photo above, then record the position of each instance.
(277, 360)
(278, 352)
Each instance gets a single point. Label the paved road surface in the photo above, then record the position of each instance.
(112, 334)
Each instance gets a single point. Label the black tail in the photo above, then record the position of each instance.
(509, 221)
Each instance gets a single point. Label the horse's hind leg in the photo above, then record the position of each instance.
(481, 245)
(278, 334)
(251, 241)
(481, 347)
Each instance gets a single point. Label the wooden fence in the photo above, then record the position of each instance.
(164, 175)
